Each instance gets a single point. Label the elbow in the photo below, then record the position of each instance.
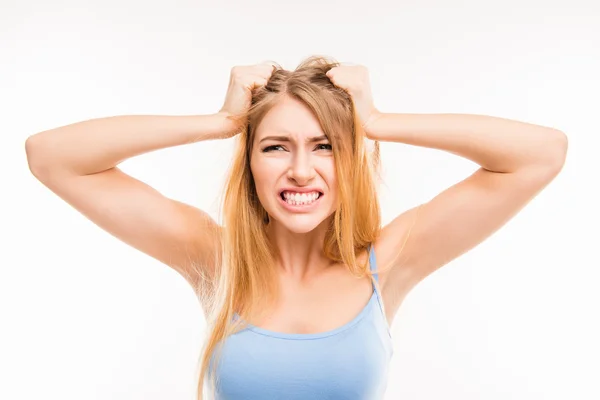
(29, 151)
(34, 153)
(550, 160)
(552, 156)
(557, 150)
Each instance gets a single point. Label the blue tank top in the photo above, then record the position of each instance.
(347, 363)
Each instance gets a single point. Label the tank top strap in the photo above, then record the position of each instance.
(373, 262)
(373, 267)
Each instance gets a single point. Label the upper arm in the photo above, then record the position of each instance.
(423, 239)
(179, 235)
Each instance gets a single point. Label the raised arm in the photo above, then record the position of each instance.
(78, 162)
(517, 160)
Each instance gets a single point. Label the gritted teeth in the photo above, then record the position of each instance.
(300, 197)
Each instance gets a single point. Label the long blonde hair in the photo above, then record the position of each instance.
(245, 281)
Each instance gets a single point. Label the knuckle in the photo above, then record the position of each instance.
(236, 71)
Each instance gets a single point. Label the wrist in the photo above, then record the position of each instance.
(369, 126)
(223, 125)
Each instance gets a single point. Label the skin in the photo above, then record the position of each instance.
(295, 163)
(516, 161)
(78, 162)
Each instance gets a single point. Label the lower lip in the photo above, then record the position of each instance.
(300, 207)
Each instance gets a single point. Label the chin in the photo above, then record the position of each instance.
(300, 223)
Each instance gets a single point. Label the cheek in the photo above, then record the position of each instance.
(330, 175)
(331, 181)
(263, 177)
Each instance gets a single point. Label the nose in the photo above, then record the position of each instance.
(301, 169)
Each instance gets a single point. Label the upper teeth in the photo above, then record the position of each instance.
(301, 197)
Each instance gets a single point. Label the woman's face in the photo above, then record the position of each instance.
(293, 167)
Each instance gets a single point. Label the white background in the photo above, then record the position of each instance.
(83, 316)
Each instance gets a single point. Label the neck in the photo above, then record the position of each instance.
(299, 256)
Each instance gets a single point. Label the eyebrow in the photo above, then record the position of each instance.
(287, 138)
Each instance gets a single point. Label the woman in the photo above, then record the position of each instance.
(301, 283)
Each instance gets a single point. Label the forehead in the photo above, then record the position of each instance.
(289, 117)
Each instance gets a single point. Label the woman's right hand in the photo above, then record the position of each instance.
(242, 80)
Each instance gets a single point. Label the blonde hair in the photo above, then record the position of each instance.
(245, 281)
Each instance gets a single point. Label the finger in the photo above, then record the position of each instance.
(257, 81)
(260, 79)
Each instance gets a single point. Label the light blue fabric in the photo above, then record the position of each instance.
(347, 363)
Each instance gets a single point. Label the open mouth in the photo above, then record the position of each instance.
(299, 201)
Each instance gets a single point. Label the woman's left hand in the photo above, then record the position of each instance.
(355, 80)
